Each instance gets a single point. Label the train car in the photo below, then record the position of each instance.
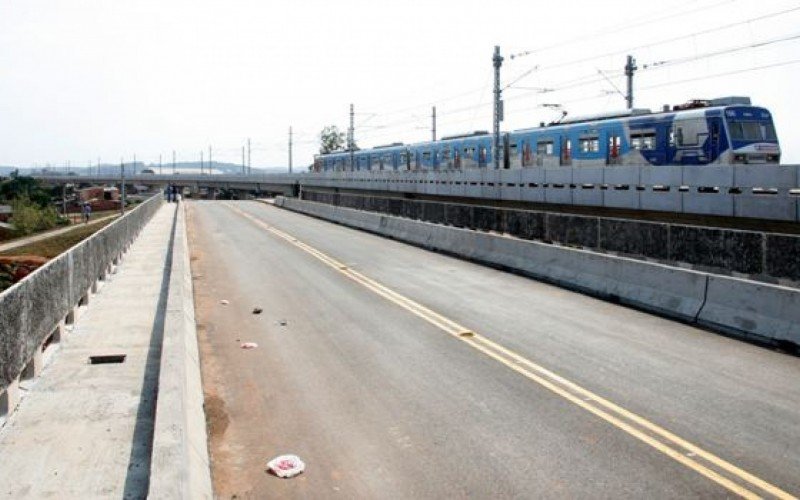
(718, 132)
(725, 131)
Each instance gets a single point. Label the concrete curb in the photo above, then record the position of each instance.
(734, 306)
(180, 465)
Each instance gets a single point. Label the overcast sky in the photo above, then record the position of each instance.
(82, 80)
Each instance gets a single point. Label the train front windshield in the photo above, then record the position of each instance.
(752, 131)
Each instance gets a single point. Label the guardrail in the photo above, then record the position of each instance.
(34, 311)
(754, 191)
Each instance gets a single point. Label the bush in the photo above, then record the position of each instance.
(29, 217)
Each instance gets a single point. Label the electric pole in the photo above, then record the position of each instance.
(122, 175)
(433, 128)
(209, 159)
(249, 162)
(134, 163)
(630, 68)
(201, 162)
(244, 163)
(160, 172)
(290, 150)
(351, 140)
(173, 162)
(497, 61)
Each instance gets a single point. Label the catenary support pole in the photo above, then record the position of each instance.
(497, 61)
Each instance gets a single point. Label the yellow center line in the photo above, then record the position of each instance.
(617, 416)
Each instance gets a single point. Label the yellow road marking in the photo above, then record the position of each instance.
(617, 416)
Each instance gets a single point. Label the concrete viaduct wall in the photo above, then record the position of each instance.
(756, 255)
(34, 311)
(731, 305)
(752, 191)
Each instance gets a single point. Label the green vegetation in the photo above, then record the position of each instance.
(51, 247)
(331, 139)
(26, 188)
(30, 217)
(32, 204)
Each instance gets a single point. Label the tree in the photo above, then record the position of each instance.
(331, 139)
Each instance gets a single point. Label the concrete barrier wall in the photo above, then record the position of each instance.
(758, 255)
(180, 464)
(31, 309)
(736, 306)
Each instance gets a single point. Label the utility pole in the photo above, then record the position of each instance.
(433, 128)
(160, 172)
(244, 163)
(351, 139)
(209, 159)
(173, 162)
(249, 158)
(201, 162)
(497, 61)
(122, 175)
(630, 68)
(290, 150)
(134, 163)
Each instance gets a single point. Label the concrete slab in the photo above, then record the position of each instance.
(84, 430)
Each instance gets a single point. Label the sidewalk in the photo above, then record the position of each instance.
(49, 234)
(82, 430)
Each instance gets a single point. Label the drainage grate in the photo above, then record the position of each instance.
(107, 359)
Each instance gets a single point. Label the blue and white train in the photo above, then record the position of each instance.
(724, 131)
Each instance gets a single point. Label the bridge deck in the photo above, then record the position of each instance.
(361, 371)
(83, 430)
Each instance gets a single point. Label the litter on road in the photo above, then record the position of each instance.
(224, 302)
(249, 345)
(282, 322)
(286, 466)
(257, 310)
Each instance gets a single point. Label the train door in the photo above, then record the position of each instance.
(712, 145)
(566, 151)
(613, 153)
(483, 153)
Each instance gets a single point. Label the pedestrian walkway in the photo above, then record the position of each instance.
(49, 234)
(85, 430)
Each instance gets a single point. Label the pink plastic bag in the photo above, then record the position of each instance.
(286, 466)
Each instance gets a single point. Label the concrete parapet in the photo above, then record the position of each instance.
(759, 255)
(731, 305)
(32, 308)
(180, 463)
(745, 307)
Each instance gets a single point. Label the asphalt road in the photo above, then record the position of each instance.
(394, 372)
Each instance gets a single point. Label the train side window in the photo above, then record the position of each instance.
(513, 150)
(426, 157)
(544, 148)
(589, 144)
(387, 161)
(643, 141)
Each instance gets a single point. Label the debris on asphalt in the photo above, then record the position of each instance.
(286, 466)
(283, 322)
(224, 302)
(249, 345)
(257, 310)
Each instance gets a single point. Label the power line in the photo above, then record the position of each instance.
(539, 68)
(617, 29)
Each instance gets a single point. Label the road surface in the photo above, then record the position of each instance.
(395, 372)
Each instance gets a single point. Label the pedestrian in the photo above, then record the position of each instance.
(169, 193)
(87, 212)
(175, 193)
